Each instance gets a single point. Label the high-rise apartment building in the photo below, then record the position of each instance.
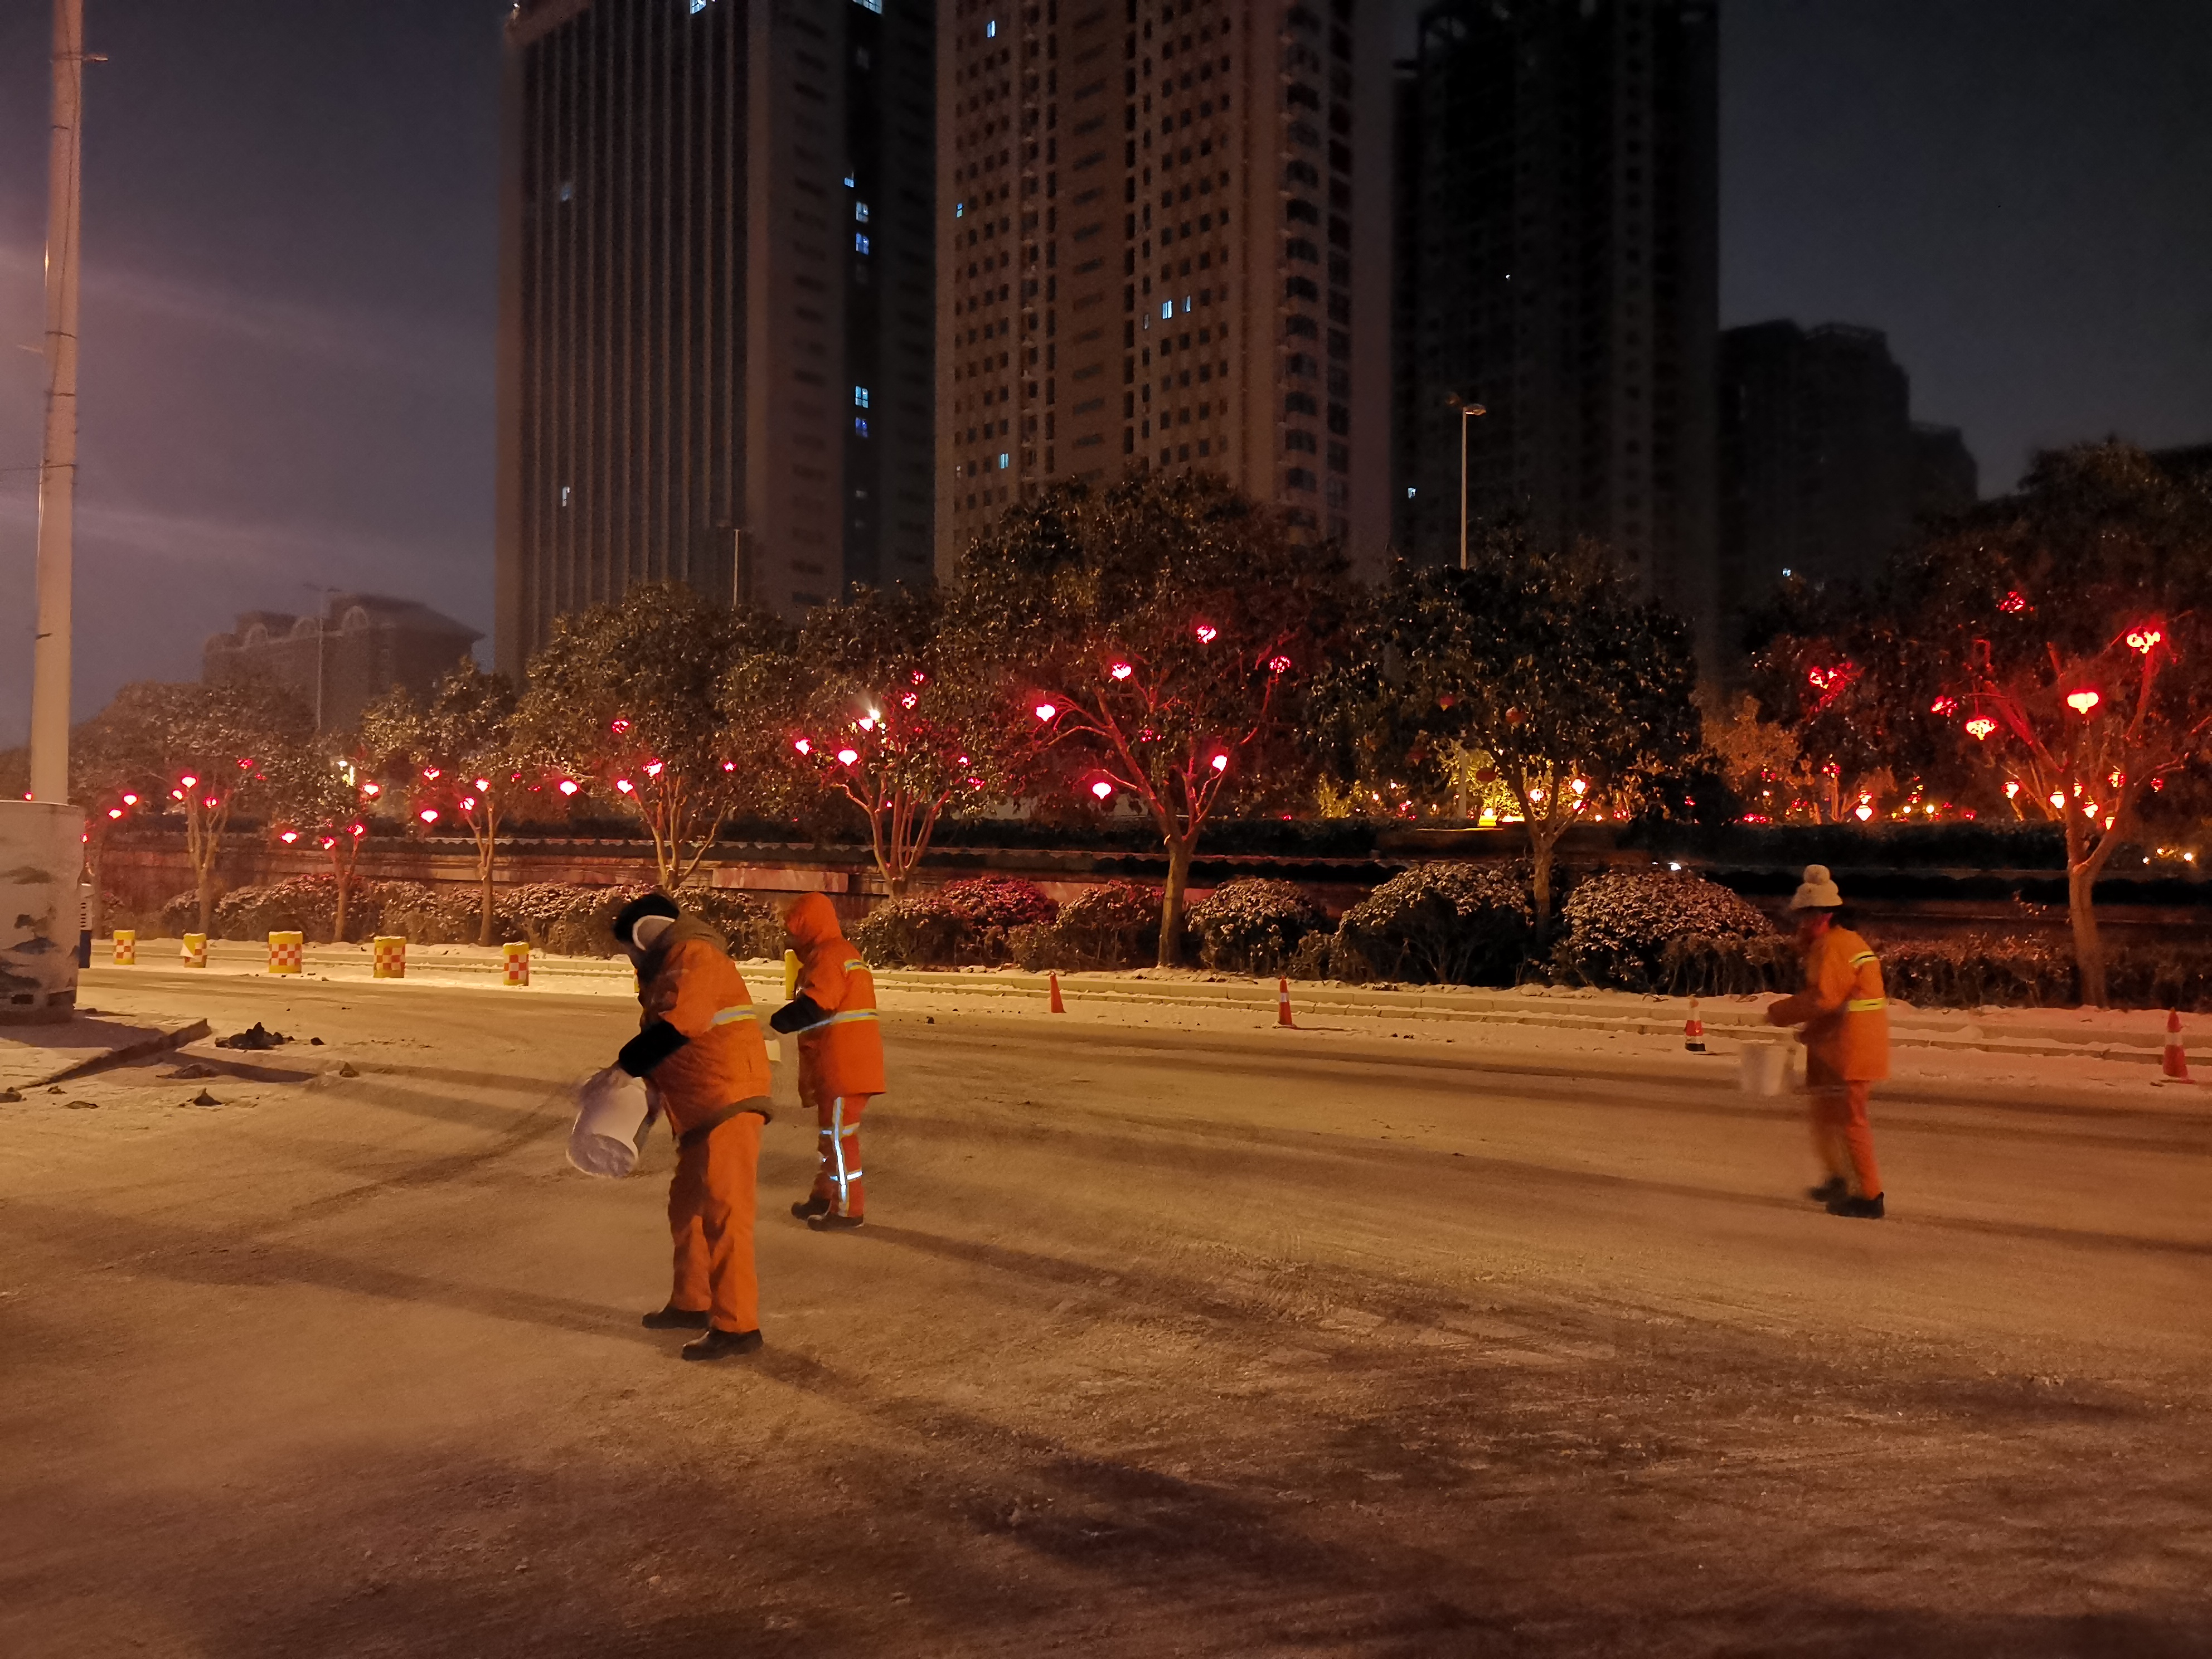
(1823, 469)
(1558, 163)
(717, 310)
(1164, 244)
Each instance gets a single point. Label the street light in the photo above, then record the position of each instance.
(1466, 411)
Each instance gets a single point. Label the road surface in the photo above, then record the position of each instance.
(1160, 1341)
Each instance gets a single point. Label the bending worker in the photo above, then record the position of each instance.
(841, 1057)
(1846, 1038)
(699, 1045)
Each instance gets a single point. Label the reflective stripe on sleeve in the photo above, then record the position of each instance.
(731, 1016)
(1865, 1005)
(1862, 958)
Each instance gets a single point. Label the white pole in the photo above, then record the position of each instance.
(49, 657)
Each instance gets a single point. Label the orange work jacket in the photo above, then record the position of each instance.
(1844, 1012)
(688, 981)
(843, 1054)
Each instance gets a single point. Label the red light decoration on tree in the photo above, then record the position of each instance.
(115, 811)
(1945, 706)
(1122, 671)
(654, 769)
(1207, 633)
(372, 790)
(619, 727)
(2082, 702)
(2145, 639)
(1980, 728)
(188, 782)
(1047, 711)
(567, 786)
(130, 800)
(1102, 789)
(1279, 665)
(428, 815)
(431, 774)
(288, 837)
(847, 756)
(623, 786)
(1221, 762)
(803, 746)
(2013, 603)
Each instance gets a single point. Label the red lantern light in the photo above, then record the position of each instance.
(2082, 702)
(130, 800)
(1102, 789)
(1207, 633)
(468, 803)
(623, 786)
(1122, 671)
(115, 811)
(1945, 706)
(2144, 639)
(484, 784)
(428, 815)
(372, 790)
(847, 757)
(430, 775)
(1046, 711)
(1980, 728)
(356, 829)
(288, 837)
(329, 842)
(729, 766)
(1279, 665)
(803, 746)
(188, 782)
(1221, 762)
(619, 727)
(2012, 603)
(654, 769)
(567, 786)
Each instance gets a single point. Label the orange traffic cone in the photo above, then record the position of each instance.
(2176, 1057)
(1283, 1004)
(1693, 1030)
(1058, 1007)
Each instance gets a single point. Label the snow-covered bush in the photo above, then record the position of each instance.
(919, 931)
(305, 904)
(426, 915)
(1253, 924)
(1449, 924)
(1975, 970)
(1115, 924)
(1620, 925)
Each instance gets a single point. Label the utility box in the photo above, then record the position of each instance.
(41, 871)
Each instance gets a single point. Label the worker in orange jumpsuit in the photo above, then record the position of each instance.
(700, 1049)
(841, 1057)
(1846, 1038)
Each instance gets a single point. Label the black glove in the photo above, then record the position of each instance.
(797, 1015)
(649, 1047)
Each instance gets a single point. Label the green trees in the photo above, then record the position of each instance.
(1579, 693)
(2059, 642)
(637, 698)
(903, 722)
(460, 754)
(203, 752)
(1159, 633)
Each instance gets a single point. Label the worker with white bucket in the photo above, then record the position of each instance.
(1845, 1015)
(700, 1049)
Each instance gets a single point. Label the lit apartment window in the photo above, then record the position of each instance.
(860, 396)
(859, 243)
(861, 212)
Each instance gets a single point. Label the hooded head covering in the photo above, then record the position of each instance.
(1817, 891)
(649, 904)
(812, 919)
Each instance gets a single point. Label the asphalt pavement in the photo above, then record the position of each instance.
(1162, 1338)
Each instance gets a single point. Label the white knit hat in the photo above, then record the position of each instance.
(1818, 891)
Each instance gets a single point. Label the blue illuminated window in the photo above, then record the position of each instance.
(876, 6)
(959, 210)
(1003, 457)
(698, 6)
(1167, 308)
(861, 212)
(859, 243)
(860, 396)
(991, 29)
(859, 427)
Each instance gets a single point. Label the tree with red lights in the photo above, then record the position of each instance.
(203, 752)
(630, 698)
(1162, 630)
(457, 757)
(323, 792)
(2061, 643)
(111, 777)
(1580, 692)
(903, 724)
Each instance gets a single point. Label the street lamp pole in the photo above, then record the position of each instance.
(50, 652)
(1468, 411)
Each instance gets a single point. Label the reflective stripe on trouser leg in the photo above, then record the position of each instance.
(838, 1151)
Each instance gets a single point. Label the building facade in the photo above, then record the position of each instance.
(337, 664)
(1824, 470)
(1559, 191)
(1163, 246)
(716, 302)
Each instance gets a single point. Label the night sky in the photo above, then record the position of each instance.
(291, 248)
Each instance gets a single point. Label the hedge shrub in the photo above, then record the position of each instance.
(919, 931)
(1114, 924)
(1621, 926)
(1446, 924)
(1253, 924)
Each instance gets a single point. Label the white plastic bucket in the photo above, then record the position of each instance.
(613, 1112)
(1766, 1069)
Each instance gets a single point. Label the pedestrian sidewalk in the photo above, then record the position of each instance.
(2134, 1036)
(41, 1056)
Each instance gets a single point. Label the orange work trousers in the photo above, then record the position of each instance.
(1843, 1138)
(710, 1214)
(837, 1175)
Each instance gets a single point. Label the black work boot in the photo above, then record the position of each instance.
(673, 1318)
(1862, 1209)
(810, 1206)
(834, 1222)
(722, 1345)
(1829, 1191)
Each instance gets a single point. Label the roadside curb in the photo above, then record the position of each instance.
(160, 1043)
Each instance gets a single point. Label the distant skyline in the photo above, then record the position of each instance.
(291, 249)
